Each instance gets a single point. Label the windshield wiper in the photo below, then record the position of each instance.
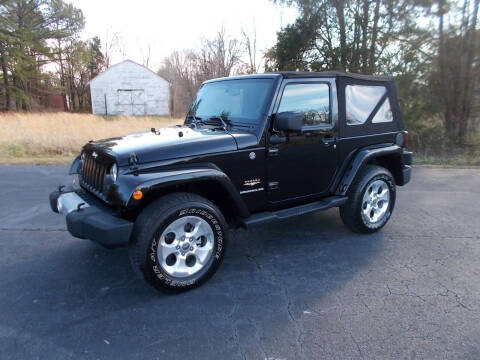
(194, 120)
(193, 117)
(216, 121)
(223, 124)
(231, 123)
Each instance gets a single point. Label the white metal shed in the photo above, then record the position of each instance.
(128, 88)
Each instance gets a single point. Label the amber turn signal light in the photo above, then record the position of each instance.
(137, 194)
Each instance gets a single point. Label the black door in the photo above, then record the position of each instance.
(306, 162)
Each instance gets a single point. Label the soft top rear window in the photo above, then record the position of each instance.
(361, 100)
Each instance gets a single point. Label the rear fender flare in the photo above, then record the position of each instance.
(359, 160)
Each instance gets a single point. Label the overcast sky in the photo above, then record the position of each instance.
(168, 25)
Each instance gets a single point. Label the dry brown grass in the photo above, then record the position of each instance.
(53, 137)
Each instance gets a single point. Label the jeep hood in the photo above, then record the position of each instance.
(170, 143)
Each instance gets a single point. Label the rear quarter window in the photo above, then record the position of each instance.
(361, 101)
(384, 114)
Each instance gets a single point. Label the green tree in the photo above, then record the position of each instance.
(353, 35)
(83, 61)
(457, 72)
(430, 47)
(67, 22)
(96, 60)
(27, 27)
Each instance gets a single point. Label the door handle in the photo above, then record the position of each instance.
(328, 140)
(272, 152)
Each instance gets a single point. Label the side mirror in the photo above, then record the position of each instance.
(288, 121)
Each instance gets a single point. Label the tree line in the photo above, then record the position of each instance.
(41, 54)
(221, 56)
(429, 46)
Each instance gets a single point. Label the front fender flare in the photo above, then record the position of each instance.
(151, 181)
(359, 160)
(76, 166)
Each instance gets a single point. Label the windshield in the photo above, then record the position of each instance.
(241, 101)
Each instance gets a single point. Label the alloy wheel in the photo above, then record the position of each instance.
(375, 202)
(185, 246)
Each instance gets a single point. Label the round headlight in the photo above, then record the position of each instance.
(114, 172)
(59, 206)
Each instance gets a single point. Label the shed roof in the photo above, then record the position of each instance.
(121, 63)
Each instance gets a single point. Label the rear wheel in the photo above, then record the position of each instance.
(371, 200)
(178, 242)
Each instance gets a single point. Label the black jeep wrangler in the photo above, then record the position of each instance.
(252, 149)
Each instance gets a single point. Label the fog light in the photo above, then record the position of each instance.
(137, 194)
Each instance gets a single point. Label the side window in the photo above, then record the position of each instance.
(313, 100)
(360, 102)
(384, 114)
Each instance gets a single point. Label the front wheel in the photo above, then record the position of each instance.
(371, 200)
(178, 242)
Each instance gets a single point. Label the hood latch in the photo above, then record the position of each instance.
(133, 160)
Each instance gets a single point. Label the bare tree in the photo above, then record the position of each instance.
(250, 43)
(145, 49)
(218, 57)
(146, 55)
(180, 70)
(187, 70)
(114, 43)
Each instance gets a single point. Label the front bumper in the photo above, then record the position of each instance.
(87, 219)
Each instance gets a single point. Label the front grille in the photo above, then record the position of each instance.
(93, 173)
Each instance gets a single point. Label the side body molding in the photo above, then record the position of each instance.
(360, 159)
(151, 181)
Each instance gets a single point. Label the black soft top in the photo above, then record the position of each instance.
(303, 74)
(309, 74)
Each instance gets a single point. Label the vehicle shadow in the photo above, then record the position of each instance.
(72, 294)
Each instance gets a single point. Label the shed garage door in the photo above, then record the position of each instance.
(131, 101)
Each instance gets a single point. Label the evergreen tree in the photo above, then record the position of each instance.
(26, 29)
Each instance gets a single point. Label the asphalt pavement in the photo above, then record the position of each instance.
(305, 288)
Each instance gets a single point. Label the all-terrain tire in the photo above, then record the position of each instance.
(147, 247)
(359, 212)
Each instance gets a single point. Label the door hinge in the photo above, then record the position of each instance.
(273, 185)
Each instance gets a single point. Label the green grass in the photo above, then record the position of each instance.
(56, 138)
(454, 160)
